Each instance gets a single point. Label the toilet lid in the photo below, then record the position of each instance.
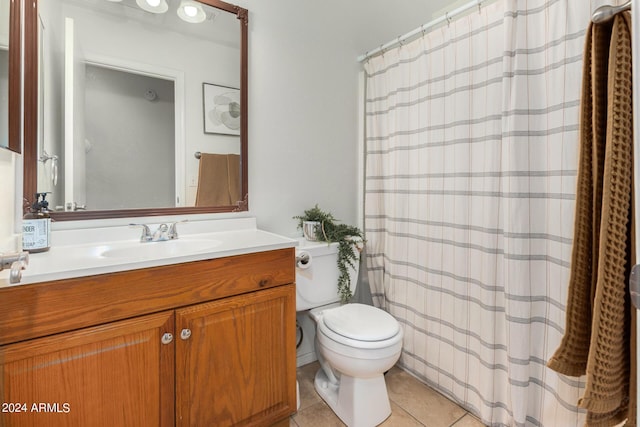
(361, 322)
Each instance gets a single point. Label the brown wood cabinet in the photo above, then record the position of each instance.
(215, 355)
(111, 375)
(232, 357)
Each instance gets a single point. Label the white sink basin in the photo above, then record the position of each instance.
(105, 250)
(163, 249)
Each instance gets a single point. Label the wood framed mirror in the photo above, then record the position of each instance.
(133, 108)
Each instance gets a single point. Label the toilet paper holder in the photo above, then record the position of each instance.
(303, 260)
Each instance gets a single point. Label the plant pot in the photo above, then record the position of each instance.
(310, 229)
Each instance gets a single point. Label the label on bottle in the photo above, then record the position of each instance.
(36, 233)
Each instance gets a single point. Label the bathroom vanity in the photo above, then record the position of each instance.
(202, 339)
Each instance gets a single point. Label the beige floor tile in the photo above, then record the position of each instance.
(393, 371)
(318, 415)
(400, 418)
(308, 372)
(413, 404)
(468, 421)
(424, 404)
(305, 375)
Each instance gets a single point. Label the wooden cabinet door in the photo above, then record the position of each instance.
(236, 363)
(119, 374)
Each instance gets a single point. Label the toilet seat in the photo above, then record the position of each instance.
(360, 326)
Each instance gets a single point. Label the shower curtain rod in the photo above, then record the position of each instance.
(606, 12)
(602, 14)
(421, 29)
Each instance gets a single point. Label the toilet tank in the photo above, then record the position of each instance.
(317, 285)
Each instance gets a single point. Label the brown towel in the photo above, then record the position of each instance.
(233, 173)
(599, 337)
(218, 180)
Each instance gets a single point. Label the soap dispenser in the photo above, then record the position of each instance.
(36, 226)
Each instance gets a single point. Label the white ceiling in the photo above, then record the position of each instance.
(220, 26)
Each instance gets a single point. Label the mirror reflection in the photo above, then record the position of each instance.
(10, 75)
(130, 91)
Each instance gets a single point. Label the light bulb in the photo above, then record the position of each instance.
(190, 11)
(153, 6)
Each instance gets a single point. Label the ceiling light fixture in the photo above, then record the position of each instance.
(191, 11)
(153, 6)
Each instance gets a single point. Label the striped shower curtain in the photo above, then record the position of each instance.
(471, 154)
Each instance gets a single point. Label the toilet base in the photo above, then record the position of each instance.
(358, 402)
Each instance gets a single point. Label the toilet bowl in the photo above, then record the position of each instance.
(355, 343)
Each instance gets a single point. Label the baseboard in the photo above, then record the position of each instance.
(305, 359)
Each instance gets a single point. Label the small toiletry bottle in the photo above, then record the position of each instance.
(36, 226)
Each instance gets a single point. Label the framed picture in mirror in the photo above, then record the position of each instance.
(221, 108)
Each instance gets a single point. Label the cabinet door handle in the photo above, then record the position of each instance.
(167, 338)
(185, 334)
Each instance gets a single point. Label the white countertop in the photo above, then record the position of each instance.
(78, 253)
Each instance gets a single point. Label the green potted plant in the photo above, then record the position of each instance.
(320, 225)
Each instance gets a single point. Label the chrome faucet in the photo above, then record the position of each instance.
(163, 232)
(17, 261)
(173, 229)
(74, 206)
(146, 233)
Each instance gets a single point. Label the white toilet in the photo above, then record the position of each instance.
(355, 343)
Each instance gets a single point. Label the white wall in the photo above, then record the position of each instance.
(4, 97)
(51, 135)
(8, 169)
(303, 85)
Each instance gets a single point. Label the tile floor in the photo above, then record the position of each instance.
(412, 404)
